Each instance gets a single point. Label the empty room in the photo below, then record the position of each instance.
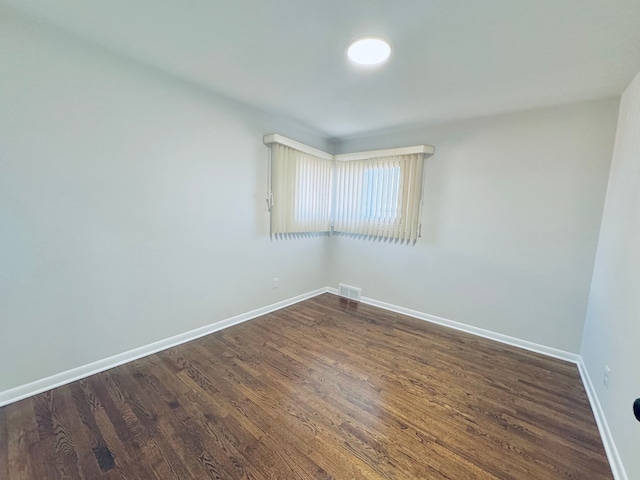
(287, 239)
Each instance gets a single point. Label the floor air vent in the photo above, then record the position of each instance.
(352, 293)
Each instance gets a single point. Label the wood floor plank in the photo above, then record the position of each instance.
(79, 447)
(4, 443)
(43, 450)
(96, 443)
(324, 389)
(111, 420)
(21, 434)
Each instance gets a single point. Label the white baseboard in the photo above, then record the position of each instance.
(480, 332)
(615, 462)
(62, 378)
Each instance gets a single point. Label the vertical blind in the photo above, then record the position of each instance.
(373, 194)
(380, 197)
(300, 191)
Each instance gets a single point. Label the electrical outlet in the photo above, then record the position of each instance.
(607, 373)
(276, 282)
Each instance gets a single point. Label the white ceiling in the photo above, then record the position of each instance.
(451, 59)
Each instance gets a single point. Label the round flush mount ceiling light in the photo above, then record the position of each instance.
(369, 51)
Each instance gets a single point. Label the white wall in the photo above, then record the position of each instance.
(131, 206)
(511, 214)
(612, 328)
(132, 209)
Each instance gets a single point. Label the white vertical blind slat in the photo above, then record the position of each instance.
(353, 175)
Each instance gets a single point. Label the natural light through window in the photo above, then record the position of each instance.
(380, 193)
(375, 194)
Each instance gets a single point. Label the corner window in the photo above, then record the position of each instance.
(374, 194)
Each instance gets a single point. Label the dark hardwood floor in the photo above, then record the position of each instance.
(322, 389)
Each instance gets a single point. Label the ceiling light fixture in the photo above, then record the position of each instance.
(369, 51)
